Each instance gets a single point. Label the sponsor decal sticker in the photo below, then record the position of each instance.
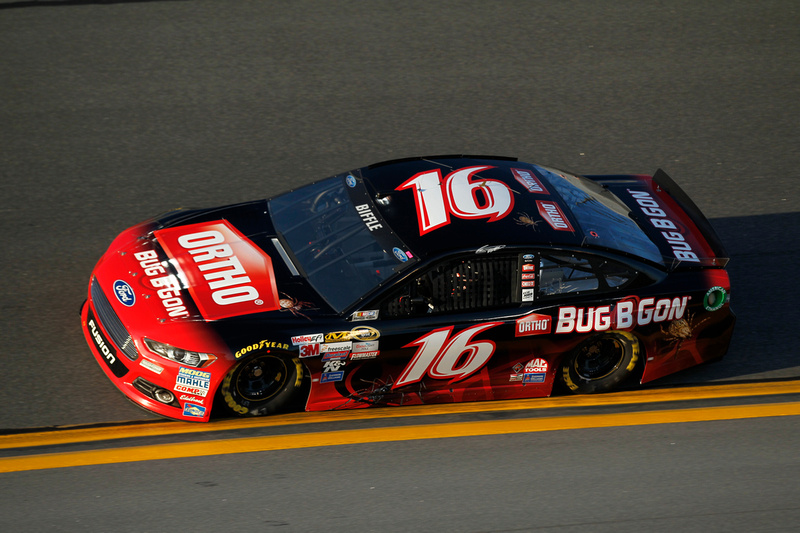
(151, 366)
(124, 293)
(528, 180)
(336, 347)
(227, 274)
(527, 295)
(350, 180)
(536, 365)
(192, 399)
(528, 268)
(533, 324)
(364, 315)
(515, 377)
(672, 233)
(193, 381)
(533, 378)
(715, 298)
(366, 346)
(489, 249)
(309, 350)
(335, 356)
(332, 376)
(528, 283)
(315, 338)
(399, 254)
(190, 409)
(332, 371)
(167, 286)
(553, 215)
(528, 258)
(626, 314)
(262, 345)
(364, 355)
(529, 275)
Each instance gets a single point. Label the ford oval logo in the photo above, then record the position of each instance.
(124, 293)
(400, 254)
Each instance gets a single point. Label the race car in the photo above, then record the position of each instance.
(415, 281)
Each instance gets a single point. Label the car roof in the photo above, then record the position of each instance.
(531, 219)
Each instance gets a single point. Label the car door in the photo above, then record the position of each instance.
(447, 334)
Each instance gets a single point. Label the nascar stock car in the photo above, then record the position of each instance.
(424, 280)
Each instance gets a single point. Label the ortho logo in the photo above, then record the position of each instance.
(228, 275)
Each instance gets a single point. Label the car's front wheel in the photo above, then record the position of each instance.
(261, 385)
(601, 362)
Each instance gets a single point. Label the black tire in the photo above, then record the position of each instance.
(263, 384)
(601, 363)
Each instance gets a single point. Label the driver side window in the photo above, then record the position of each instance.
(466, 284)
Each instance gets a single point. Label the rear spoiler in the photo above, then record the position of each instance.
(677, 202)
(662, 180)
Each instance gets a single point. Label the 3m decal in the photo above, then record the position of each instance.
(533, 324)
(124, 293)
(309, 350)
(192, 381)
(658, 218)
(553, 215)
(527, 179)
(445, 356)
(458, 194)
(227, 274)
(625, 314)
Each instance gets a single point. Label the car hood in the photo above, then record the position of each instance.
(211, 265)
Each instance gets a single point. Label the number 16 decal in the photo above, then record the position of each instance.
(458, 195)
(439, 355)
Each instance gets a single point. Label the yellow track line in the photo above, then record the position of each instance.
(67, 436)
(417, 432)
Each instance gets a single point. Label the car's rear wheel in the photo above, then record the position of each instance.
(261, 385)
(601, 363)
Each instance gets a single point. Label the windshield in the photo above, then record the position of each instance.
(602, 217)
(343, 248)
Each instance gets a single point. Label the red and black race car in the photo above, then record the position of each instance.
(426, 280)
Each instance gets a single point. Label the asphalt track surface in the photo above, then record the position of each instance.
(113, 111)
